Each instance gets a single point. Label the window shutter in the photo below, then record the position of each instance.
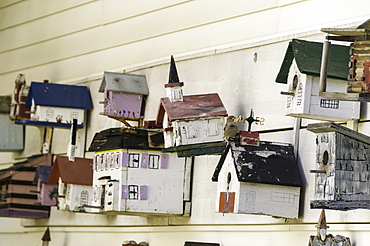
(164, 161)
(144, 160)
(124, 192)
(125, 157)
(143, 192)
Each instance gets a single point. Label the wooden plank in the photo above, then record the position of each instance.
(333, 127)
(341, 96)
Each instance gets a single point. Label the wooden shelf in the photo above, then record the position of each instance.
(358, 97)
(45, 123)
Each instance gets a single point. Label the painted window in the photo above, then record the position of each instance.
(133, 160)
(96, 193)
(103, 162)
(74, 115)
(49, 113)
(153, 161)
(212, 129)
(176, 94)
(133, 192)
(84, 197)
(68, 195)
(191, 131)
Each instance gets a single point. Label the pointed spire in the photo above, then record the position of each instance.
(322, 220)
(46, 236)
(173, 77)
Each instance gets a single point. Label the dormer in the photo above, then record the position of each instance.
(174, 86)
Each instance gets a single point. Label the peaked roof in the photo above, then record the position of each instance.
(42, 173)
(308, 58)
(123, 138)
(79, 172)
(362, 30)
(29, 165)
(127, 83)
(269, 163)
(57, 95)
(193, 106)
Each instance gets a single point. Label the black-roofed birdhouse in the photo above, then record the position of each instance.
(131, 176)
(342, 168)
(260, 179)
(300, 70)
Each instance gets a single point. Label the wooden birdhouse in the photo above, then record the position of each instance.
(74, 180)
(18, 109)
(131, 177)
(342, 168)
(124, 96)
(300, 70)
(17, 198)
(359, 63)
(260, 179)
(11, 135)
(56, 105)
(192, 119)
(46, 193)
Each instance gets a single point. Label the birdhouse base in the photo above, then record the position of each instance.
(45, 123)
(340, 205)
(358, 97)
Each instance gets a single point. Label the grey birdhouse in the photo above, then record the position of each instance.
(342, 168)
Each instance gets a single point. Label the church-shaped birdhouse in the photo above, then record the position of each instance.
(190, 119)
(124, 96)
(56, 105)
(359, 63)
(17, 189)
(300, 70)
(342, 168)
(131, 176)
(74, 181)
(258, 178)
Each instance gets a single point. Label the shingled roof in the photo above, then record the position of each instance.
(308, 58)
(127, 83)
(192, 106)
(58, 95)
(269, 163)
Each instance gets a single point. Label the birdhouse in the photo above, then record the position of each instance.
(342, 169)
(56, 105)
(124, 96)
(74, 180)
(300, 70)
(46, 193)
(16, 191)
(11, 135)
(260, 179)
(131, 177)
(191, 119)
(18, 111)
(359, 63)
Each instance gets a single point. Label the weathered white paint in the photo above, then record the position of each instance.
(53, 114)
(306, 101)
(202, 130)
(163, 186)
(257, 198)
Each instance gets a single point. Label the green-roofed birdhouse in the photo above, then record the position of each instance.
(300, 70)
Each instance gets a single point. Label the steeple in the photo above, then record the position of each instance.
(173, 88)
(322, 220)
